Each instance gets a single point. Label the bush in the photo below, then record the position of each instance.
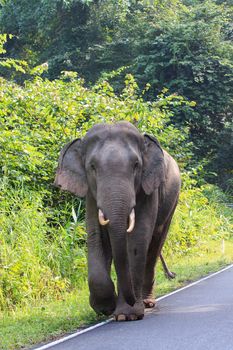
(197, 220)
(43, 115)
(36, 261)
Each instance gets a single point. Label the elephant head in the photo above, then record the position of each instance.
(113, 163)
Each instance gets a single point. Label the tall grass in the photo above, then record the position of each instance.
(36, 260)
(198, 219)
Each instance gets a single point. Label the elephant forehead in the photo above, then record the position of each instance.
(117, 151)
(113, 152)
(123, 132)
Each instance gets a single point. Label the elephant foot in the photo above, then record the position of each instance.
(126, 312)
(123, 317)
(149, 303)
(103, 306)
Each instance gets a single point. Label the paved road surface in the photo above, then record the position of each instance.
(196, 318)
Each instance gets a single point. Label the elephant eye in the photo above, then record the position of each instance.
(136, 164)
(92, 166)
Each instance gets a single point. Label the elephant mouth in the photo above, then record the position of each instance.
(103, 221)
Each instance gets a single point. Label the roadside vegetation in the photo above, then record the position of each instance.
(175, 84)
(43, 267)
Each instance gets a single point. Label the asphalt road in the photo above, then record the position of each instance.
(196, 318)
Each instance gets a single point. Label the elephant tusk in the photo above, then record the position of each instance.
(131, 221)
(102, 220)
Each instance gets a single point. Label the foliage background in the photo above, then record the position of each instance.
(183, 45)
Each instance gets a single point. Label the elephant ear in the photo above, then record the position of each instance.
(153, 174)
(70, 173)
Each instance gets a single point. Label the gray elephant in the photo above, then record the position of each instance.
(131, 187)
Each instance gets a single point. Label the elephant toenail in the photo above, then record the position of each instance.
(121, 318)
(132, 317)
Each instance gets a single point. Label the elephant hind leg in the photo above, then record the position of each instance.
(154, 252)
(148, 298)
(149, 302)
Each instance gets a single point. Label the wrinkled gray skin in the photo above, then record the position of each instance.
(118, 169)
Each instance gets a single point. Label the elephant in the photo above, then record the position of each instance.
(131, 186)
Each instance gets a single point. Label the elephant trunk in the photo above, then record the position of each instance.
(118, 239)
(117, 210)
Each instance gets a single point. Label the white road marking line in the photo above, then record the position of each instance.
(62, 340)
(196, 282)
(73, 335)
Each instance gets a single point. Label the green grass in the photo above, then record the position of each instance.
(26, 326)
(190, 268)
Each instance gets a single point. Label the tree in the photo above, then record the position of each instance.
(192, 56)
(45, 30)
(185, 46)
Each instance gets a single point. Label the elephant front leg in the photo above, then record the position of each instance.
(126, 312)
(102, 291)
(137, 258)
